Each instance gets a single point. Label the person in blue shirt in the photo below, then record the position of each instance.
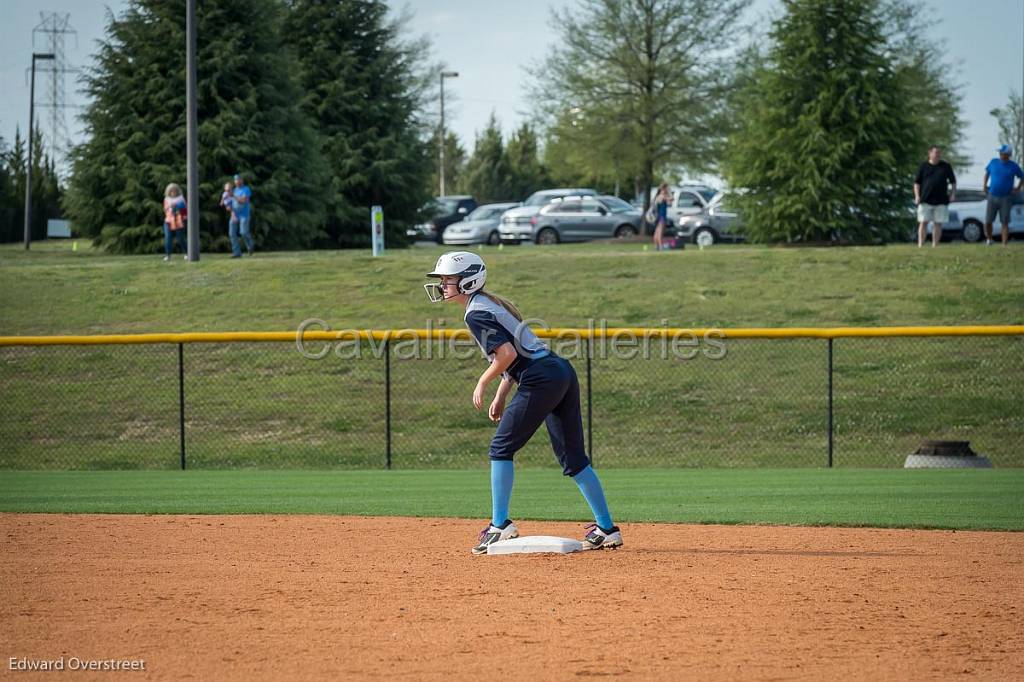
(548, 392)
(241, 207)
(998, 185)
(661, 204)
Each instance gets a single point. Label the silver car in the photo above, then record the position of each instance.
(479, 227)
(578, 218)
(517, 225)
(718, 222)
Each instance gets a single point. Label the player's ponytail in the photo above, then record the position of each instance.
(504, 303)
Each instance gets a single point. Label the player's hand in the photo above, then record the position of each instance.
(478, 396)
(496, 409)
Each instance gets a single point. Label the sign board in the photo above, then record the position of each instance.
(377, 230)
(58, 228)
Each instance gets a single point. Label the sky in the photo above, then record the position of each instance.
(491, 42)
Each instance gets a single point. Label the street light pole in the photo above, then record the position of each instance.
(440, 140)
(28, 167)
(191, 135)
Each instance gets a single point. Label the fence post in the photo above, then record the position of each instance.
(181, 401)
(590, 414)
(830, 431)
(387, 401)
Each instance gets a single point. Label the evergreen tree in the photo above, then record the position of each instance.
(526, 172)
(46, 188)
(8, 200)
(250, 121)
(363, 88)
(454, 165)
(487, 171)
(16, 162)
(821, 148)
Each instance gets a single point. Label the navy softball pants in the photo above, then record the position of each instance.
(549, 393)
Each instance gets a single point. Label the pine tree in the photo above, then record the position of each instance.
(363, 88)
(249, 122)
(16, 162)
(821, 149)
(454, 165)
(487, 171)
(526, 172)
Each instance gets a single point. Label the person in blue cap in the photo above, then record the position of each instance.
(240, 214)
(998, 186)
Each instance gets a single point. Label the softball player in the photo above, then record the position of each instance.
(548, 392)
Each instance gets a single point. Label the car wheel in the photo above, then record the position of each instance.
(704, 236)
(625, 232)
(972, 231)
(494, 238)
(547, 236)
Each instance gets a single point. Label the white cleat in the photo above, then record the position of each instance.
(599, 538)
(492, 534)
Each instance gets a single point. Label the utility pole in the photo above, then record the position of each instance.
(28, 166)
(440, 139)
(192, 134)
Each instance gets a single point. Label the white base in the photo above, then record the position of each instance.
(535, 543)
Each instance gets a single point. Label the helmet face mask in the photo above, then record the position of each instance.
(435, 291)
(468, 269)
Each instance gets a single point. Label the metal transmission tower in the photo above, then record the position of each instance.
(52, 30)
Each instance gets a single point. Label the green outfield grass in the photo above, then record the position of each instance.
(263, 405)
(976, 499)
(52, 290)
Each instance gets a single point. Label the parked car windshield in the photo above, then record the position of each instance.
(440, 207)
(541, 198)
(484, 213)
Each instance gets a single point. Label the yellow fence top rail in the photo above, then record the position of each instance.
(446, 334)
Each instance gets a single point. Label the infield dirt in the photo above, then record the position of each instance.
(327, 597)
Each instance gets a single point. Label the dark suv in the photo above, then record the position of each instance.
(439, 214)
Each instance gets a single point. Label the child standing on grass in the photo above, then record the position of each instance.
(175, 213)
(548, 392)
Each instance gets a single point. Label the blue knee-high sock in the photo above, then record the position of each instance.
(593, 493)
(502, 475)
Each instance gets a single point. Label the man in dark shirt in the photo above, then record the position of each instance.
(934, 188)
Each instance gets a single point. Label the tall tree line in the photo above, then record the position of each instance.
(46, 188)
(314, 102)
(496, 170)
(820, 121)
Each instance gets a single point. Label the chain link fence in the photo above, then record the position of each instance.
(754, 402)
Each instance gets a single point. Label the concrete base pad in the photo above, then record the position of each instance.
(946, 462)
(535, 543)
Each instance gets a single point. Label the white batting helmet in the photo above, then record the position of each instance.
(465, 265)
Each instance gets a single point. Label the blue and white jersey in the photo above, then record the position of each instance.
(492, 325)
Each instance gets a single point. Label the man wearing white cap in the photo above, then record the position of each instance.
(998, 185)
